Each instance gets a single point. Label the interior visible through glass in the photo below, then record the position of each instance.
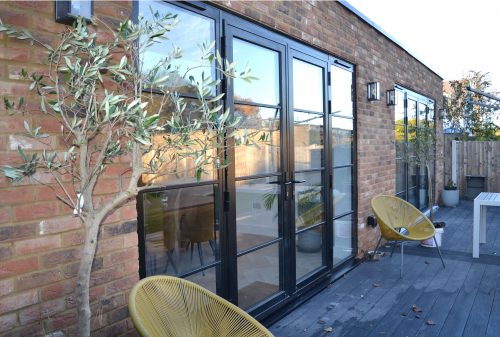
(180, 228)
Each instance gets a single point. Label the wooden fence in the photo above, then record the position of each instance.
(474, 158)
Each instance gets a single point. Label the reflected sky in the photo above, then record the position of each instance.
(307, 86)
(264, 64)
(190, 32)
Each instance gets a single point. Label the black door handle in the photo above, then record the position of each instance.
(295, 182)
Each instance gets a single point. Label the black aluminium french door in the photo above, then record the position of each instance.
(277, 233)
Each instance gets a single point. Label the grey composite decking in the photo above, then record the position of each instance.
(462, 299)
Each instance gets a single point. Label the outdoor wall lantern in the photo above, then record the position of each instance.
(67, 11)
(391, 97)
(374, 91)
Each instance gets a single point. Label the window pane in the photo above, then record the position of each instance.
(412, 174)
(263, 127)
(342, 141)
(342, 190)
(264, 64)
(400, 176)
(412, 196)
(308, 140)
(400, 140)
(342, 238)
(191, 31)
(257, 219)
(309, 200)
(412, 113)
(307, 86)
(430, 114)
(422, 113)
(309, 253)
(207, 279)
(399, 117)
(174, 165)
(181, 229)
(341, 86)
(258, 275)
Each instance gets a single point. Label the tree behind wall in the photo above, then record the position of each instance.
(466, 118)
(112, 108)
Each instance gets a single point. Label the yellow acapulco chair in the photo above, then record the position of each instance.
(163, 306)
(401, 221)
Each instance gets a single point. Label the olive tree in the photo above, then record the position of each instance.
(111, 105)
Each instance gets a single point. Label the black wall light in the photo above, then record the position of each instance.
(391, 97)
(67, 11)
(373, 91)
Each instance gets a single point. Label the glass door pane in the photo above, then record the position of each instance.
(257, 169)
(308, 166)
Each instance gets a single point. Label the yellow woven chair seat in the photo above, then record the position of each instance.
(162, 306)
(401, 221)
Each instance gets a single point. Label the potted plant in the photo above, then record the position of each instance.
(450, 195)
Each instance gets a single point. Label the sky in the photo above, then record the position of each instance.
(449, 36)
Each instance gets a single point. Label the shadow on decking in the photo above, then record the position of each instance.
(371, 300)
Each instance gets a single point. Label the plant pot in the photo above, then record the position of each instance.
(450, 197)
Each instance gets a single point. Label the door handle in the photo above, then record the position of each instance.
(295, 182)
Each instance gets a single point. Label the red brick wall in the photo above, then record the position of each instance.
(332, 28)
(39, 238)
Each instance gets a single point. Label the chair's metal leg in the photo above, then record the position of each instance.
(378, 244)
(394, 244)
(401, 272)
(439, 251)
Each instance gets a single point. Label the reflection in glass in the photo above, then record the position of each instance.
(400, 140)
(399, 117)
(342, 190)
(181, 232)
(412, 174)
(308, 140)
(264, 64)
(412, 113)
(342, 238)
(422, 191)
(256, 211)
(309, 200)
(309, 255)
(422, 113)
(412, 196)
(342, 141)
(400, 176)
(258, 275)
(179, 168)
(430, 114)
(341, 83)
(307, 86)
(191, 31)
(412, 138)
(262, 125)
(207, 279)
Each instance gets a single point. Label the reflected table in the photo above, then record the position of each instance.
(482, 201)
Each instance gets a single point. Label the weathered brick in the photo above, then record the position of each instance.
(126, 255)
(18, 266)
(118, 229)
(6, 287)
(58, 225)
(117, 315)
(122, 284)
(36, 245)
(60, 257)
(61, 321)
(18, 301)
(73, 238)
(58, 289)
(108, 245)
(35, 211)
(38, 312)
(38, 279)
(8, 322)
(17, 195)
(5, 252)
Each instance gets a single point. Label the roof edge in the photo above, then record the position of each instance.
(363, 17)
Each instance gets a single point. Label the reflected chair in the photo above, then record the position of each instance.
(401, 221)
(170, 306)
(159, 219)
(197, 226)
